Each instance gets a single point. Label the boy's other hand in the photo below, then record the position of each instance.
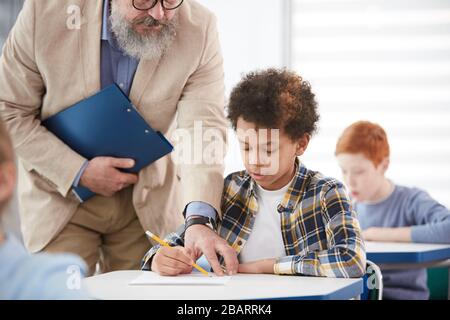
(387, 234)
(260, 266)
(172, 261)
(202, 240)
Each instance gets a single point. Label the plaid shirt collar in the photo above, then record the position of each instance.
(294, 193)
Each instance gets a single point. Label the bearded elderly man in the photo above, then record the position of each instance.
(166, 56)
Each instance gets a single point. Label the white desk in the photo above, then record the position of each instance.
(396, 255)
(115, 285)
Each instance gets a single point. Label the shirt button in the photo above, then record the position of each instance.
(121, 85)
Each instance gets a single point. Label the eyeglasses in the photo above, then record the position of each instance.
(145, 5)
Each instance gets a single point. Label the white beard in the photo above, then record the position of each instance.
(151, 46)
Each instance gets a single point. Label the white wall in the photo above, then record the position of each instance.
(383, 61)
(251, 35)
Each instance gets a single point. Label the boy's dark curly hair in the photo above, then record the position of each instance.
(275, 98)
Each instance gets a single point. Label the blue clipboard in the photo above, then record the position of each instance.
(108, 125)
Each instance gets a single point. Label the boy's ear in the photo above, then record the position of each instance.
(302, 144)
(385, 164)
(7, 181)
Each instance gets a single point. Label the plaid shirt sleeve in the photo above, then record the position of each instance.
(173, 239)
(345, 255)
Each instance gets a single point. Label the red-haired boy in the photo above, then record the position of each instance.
(389, 212)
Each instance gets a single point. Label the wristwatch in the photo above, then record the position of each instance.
(207, 221)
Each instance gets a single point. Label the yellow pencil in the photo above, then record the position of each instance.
(164, 243)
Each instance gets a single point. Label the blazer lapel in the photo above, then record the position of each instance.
(90, 45)
(144, 73)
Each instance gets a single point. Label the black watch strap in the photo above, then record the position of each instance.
(199, 220)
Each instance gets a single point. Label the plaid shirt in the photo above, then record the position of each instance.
(320, 231)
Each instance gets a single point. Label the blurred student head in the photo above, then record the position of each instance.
(362, 152)
(274, 113)
(7, 168)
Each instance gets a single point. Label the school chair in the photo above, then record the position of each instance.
(372, 282)
(437, 281)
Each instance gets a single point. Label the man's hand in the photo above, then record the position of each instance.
(387, 234)
(172, 261)
(103, 177)
(202, 240)
(260, 266)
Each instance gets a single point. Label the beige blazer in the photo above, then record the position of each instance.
(47, 66)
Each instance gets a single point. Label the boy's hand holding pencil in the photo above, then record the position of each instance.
(172, 261)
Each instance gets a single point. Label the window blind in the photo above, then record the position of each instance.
(384, 61)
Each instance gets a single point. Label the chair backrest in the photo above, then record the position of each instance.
(373, 282)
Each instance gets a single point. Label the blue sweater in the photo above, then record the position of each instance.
(39, 276)
(430, 223)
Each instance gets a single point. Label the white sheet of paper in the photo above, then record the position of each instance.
(152, 278)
